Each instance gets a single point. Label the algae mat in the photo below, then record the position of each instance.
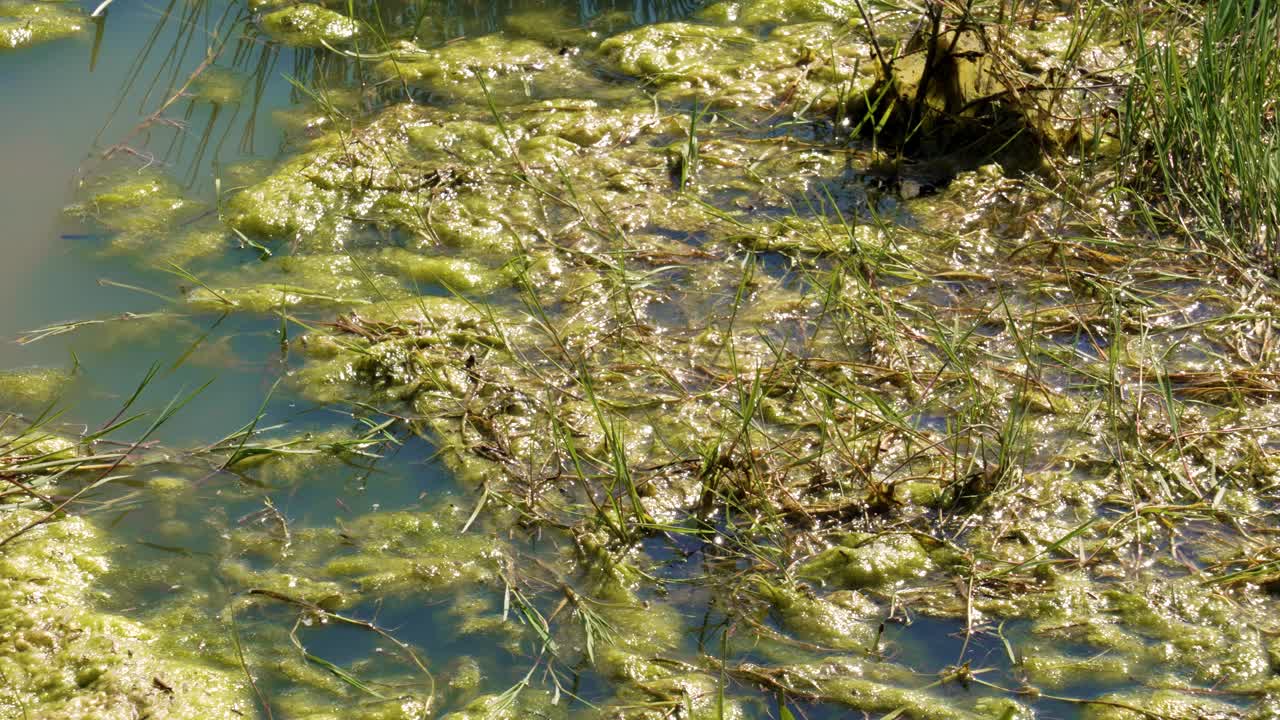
(610, 365)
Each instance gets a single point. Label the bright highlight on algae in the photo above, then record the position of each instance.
(25, 23)
(759, 359)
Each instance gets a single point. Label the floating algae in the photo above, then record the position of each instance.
(456, 273)
(38, 446)
(61, 658)
(507, 70)
(140, 210)
(31, 390)
(841, 620)
(770, 13)
(308, 25)
(219, 86)
(133, 202)
(735, 403)
(730, 67)
(530, 703)
(24, 23)
(869, 561)
(320, 279)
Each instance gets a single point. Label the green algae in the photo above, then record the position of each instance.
(1169, 624)
(373, 173)
(379, 554)
(458, 274)
(507, 70)
(138, 330)
(552, 27)
(511, 706)
(665, 377)
(842, 620)
(321, 279)
(290, 461)
(1162, 703)
(1052, 671)
(465, 674)
(302, 200)
(38, 446)
(219, 86)
(761, 13)
(641, 629)
(201, 242)
(692, 59)
(396, 367)
(869, 561)
(300, 124)
(1191, 627)
(815, 236)
(923, 493)
(411, 552)
(265, 298)
(300, 706)
(468, 141)
(696, 696)
(672, 49)
(140, 210)
(135, 203)
(588, 123)
(34, 389)
(24, 23)
(877, 688)
(730, 67)
(34, 460)
(328, 595)
(61, 658)
(482, 619)
(309, 25)
(448, 180)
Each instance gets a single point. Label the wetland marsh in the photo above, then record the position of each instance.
(739, 359)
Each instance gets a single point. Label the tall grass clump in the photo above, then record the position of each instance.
(1200, 126)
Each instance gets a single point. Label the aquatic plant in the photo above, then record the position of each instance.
(1199, 121)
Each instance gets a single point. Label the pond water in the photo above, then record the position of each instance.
(58, 116)
(663, 403)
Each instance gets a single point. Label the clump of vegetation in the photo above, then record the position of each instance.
(309, 25)
(62, 658)
(1200, 120)
(24, 23)
(32, 389)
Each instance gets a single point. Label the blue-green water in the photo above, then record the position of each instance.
(59, 118)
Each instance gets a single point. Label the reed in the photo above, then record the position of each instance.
(1198, 123)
